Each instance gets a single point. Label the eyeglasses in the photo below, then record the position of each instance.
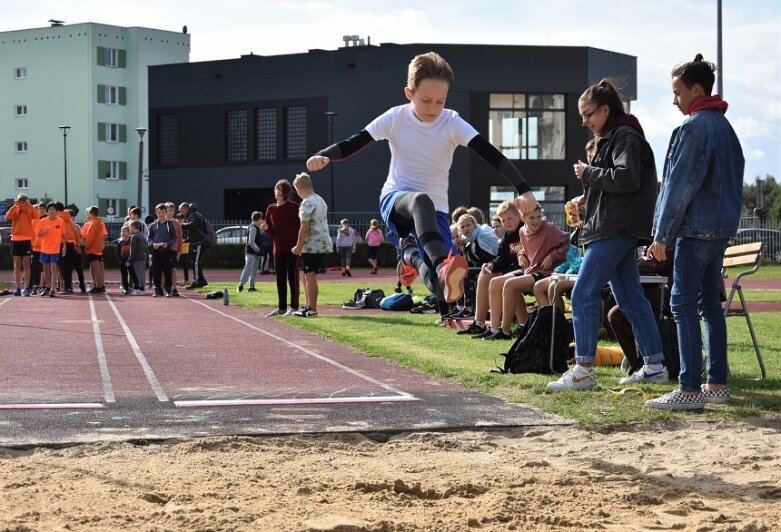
(587, 116)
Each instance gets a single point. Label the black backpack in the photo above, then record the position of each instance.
(530, 353)
(366, 298)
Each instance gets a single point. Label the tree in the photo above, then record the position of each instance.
(771, 192)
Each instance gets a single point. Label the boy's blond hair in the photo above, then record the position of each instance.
(425, 66)
(465, 217)
(303, 180)
(507, 206)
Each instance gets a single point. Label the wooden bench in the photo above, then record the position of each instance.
(744, 255)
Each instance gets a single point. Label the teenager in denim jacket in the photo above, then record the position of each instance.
(698, 210)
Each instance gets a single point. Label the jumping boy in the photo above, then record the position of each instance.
(414, 203)
(51, 232)
(313, 240)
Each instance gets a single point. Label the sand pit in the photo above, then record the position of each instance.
(700, 477)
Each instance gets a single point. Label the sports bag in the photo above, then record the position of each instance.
(396, 302)
(530, 353)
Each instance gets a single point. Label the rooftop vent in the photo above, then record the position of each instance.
(352, 41)
(56, 23)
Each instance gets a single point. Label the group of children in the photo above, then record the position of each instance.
(46, 248)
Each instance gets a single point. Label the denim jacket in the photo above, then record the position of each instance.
(702, 187)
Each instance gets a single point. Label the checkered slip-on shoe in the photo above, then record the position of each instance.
(677, 400)
(720, 396)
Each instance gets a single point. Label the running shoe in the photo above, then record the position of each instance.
(499, 335)
(646, 375)
(407, 274)
(576, 378)
(451, 274)
(26, 292)
(17, 293)
(275, 312)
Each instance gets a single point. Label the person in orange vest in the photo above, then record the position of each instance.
(94, 233)
(36, 268)
(21, 215)
(51, 232)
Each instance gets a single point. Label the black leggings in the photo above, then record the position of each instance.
(287, 273)
(415, 211)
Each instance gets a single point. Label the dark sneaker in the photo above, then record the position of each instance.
(485, 334)
(192, 286)
(451, 274)
(51, 293)
(353, 305)
(408, 247)
(305, 312)
(17, 293)
(240, 288)
(248, 290)
(464, 313)
(472, 330)
(175, 293)
(499, 335)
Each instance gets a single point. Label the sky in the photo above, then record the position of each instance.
(660, 33)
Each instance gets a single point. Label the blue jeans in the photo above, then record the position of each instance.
(696, 292)
(612, 260)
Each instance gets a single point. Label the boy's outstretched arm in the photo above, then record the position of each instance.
(339, 151)
(525, 201)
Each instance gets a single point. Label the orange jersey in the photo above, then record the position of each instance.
(21, 216)
(51, 242)
(72, 235)
(94, 236)
(36, 239)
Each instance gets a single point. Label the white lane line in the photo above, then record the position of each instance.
(302, 401)
(150, 375)
(52, 406)
(6, 301)
(309, 352)
(105, 376)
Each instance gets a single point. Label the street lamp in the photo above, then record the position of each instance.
(65, 130)
(140, 131)
(331, 115)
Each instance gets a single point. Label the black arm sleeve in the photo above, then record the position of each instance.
(494, 157)
(346, 148)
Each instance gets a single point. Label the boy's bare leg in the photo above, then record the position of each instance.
(481, 297)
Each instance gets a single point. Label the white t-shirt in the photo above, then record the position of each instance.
(421, 152)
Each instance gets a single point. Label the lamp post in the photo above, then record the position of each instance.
(331, 115)
(140, 131)
(65, 130)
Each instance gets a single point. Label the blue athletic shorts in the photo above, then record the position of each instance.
(50, 258)
(394, 235)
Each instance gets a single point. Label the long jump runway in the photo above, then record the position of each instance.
(83, 368)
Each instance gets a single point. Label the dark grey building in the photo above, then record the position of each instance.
(223, 132)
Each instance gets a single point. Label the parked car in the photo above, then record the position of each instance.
(770, 237)
(234, 234)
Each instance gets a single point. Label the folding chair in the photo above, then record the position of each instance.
(744, 255)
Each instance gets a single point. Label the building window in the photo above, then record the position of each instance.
(21, 146)
(112, 57)
(527, 126)
(236, 135)
(295, 132)
(112, 170)
(20, 72)
(111, 94)
(167, 140)
(266, 134)
(22, 183)
(112, 207)
(551, 199)
(112, 132)
(20, 110)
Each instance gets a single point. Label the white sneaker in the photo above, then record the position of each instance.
(137, 292)
(289, 311)
(646, 375)
(275, 312)
(576, 378)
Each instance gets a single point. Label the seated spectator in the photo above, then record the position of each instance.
(496, 225)
(506, 261)
(479, 246)
(543, 289)
(544, 246)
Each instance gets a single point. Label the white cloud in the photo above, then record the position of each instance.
(753, 155)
